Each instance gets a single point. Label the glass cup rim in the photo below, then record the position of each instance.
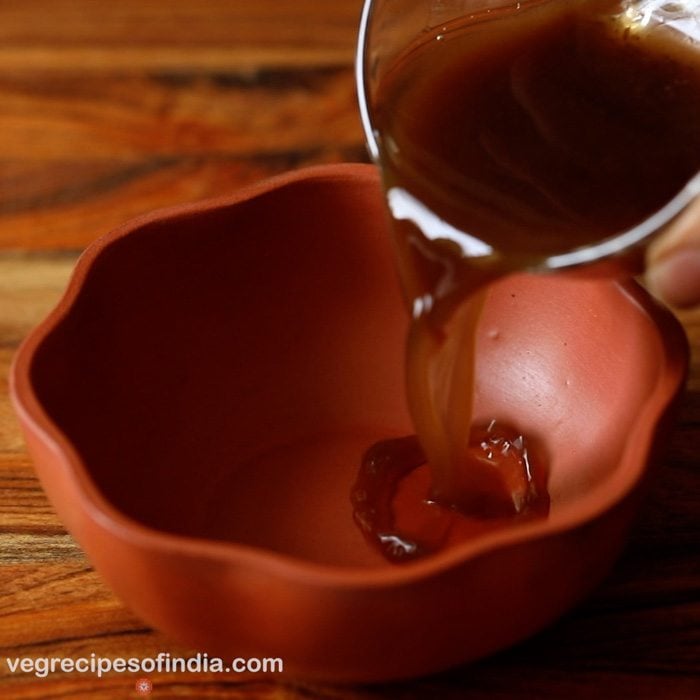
(613, 246)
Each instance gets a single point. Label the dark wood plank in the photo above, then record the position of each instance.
(133, 35)
(79, 155)
(108, 110)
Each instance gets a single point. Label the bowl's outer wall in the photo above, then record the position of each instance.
(232, 602)
(344, 634)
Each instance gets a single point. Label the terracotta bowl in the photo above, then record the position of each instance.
(198, 403)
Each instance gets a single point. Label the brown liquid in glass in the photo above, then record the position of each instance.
(534, 131)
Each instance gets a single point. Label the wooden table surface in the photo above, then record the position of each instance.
(110, 109)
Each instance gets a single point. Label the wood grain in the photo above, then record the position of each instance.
(108, 110)
(92, 35)
(80, 155)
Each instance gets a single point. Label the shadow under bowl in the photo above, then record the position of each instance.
(198, 404)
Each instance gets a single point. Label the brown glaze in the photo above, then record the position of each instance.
(198, 430)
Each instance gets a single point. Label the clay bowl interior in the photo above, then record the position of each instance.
(198, 404)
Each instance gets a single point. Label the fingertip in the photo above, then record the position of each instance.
(675, 278)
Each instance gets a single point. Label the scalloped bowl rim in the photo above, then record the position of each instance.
(631, 466)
